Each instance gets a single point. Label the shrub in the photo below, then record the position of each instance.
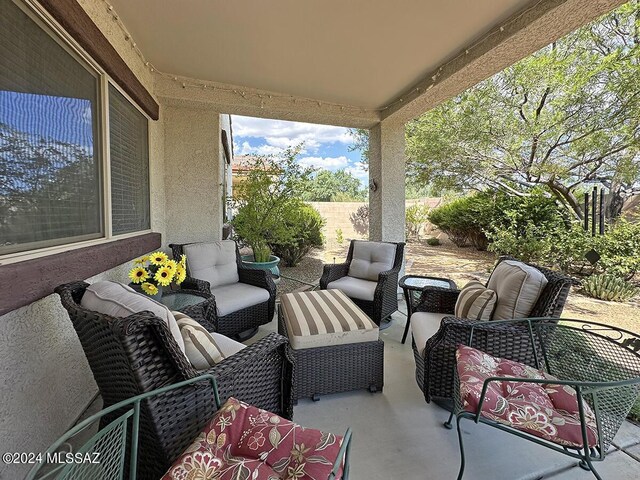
(619, 249)
(339, 236)
(265, 201)
(609, 287)
(303, 226)
(456, 219)
(416, 217)
(433, 241)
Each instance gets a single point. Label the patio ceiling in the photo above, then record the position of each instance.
(359, 52)
(351, 63)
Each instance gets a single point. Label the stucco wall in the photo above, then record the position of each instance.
(193, 174)
(45, 379)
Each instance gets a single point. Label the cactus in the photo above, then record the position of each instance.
(609, 287)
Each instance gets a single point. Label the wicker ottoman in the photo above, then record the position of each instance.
(335, 344)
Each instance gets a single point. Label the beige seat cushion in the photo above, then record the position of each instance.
(355, 287)
(371, 258)
(214, 262)
(234, 297)
(323, 318)
(476, 302)
(118, 300)
(204, 349)
(424, 325)
(518, 287)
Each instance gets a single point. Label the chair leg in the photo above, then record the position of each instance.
(448, 424)
(586, 464)
(461, 472)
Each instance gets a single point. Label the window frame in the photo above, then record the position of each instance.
(41, 17)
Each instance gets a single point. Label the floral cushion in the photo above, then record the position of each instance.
(242, 442)
(542, 409)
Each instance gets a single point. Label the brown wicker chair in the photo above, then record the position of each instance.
(385, 299)
(246, 320)
(137, 354)
(436, 363)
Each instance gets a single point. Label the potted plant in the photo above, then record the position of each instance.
(153, 272)
(269, 189)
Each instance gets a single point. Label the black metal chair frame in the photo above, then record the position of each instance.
(435, 366)
(385, 300)
(248, 319)
(137, 354)
(610, 399)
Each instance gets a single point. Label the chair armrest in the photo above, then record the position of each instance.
(246, 375)
(333, 272)
(257, 278)
(437, 300)
(191, 283)
(387, 280)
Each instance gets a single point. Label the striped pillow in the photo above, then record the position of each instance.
(476, 302)
(199, 345)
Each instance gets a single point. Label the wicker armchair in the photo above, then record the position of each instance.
(436, 360)
(584, 381)
(243, 322)
(383, 300)
(134, 355)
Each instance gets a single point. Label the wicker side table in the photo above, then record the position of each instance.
(355, 362)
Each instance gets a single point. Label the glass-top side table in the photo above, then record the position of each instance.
(413, 285)
(193, 303)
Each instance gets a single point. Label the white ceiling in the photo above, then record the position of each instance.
(354, 52)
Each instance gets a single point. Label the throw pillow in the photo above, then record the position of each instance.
(200, 347)
(475, 302)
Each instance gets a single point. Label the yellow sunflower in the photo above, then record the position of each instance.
(138, 275)
(158, 258)
(149, 288)
(163, 276)
(183, 261)
(181, 274)
(140, 261)
(171, 264)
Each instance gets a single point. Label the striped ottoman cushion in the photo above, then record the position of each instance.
(323, 318)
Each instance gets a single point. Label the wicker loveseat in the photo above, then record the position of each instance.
(133, 355)
(235, 313)
(369, 277)
(434, 347)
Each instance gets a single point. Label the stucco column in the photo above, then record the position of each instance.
(387, 172)
(193, 175)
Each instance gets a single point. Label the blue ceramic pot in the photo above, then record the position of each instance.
(271, 265)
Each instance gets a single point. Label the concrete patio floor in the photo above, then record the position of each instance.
(397, 435)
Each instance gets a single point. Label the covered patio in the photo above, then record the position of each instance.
(186, 67)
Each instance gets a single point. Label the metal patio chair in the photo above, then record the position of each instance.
(111, 453)
(572, 398)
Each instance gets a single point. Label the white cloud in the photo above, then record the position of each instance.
(360, 171)
(283, 134)
(327, 163)
(247, 149)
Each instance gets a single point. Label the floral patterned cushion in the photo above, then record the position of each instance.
(542, 409)
(242, 442)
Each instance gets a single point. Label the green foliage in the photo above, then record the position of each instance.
(619, 249)
(265, 198)
(303, 225)
(339, 236)
(261, 253)
(360, 143)
(433, 241)
(609, 287)
(416, 217)
(338, 186)
(567, 114)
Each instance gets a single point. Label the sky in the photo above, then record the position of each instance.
(325, 146)
(59, 118)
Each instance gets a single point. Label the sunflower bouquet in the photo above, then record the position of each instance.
(154, 271)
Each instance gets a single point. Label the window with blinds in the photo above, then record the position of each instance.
(50, 165)
(129, 147)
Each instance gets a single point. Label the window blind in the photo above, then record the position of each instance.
(129, 147)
